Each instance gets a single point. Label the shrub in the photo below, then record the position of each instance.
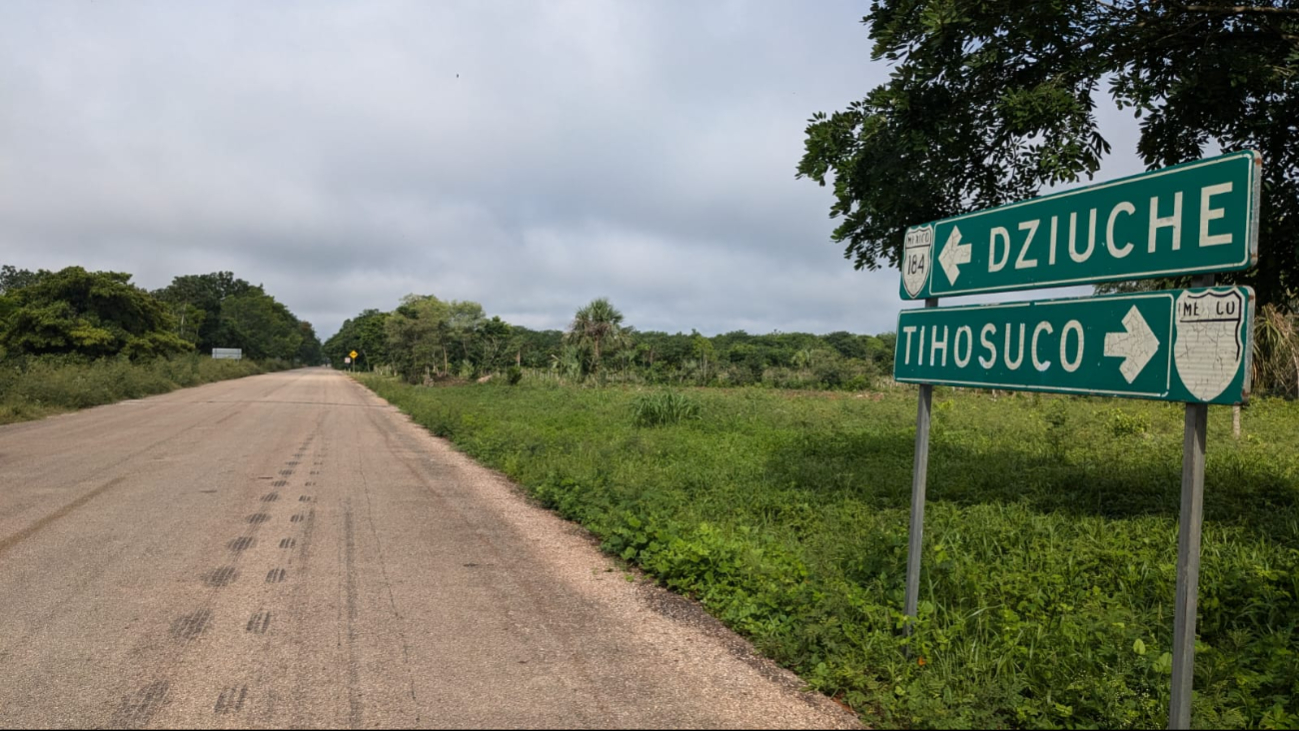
(1123, 424)
(514, 375)
(34, 387)
(663, 407)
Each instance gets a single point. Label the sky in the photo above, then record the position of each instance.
(529, 156)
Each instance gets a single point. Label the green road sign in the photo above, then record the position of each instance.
(1196, 217)
(1188, 345)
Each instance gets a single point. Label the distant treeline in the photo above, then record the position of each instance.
(426, 339)
(79, 315)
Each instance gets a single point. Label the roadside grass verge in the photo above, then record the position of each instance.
(1050, 540)
(40, 387)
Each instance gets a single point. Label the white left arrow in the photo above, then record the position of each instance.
(954, 254)
(1137, 344)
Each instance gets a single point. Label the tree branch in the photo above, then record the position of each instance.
(1236, 9)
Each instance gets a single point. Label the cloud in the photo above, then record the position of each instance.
(528, 156)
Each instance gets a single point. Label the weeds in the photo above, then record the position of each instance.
(663, 407)
(1122, 423)
(1050, 553)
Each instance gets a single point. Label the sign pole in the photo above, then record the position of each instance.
(918, 482)
(1186, 346)
(1188, 565)
(1191, 520)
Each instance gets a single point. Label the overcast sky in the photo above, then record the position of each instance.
(529, 156)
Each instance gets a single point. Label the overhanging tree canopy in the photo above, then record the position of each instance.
(989, 102)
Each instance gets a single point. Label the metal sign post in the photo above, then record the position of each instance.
(1188, 565)
(1190, 345)
(918, 479)
(1191, 520)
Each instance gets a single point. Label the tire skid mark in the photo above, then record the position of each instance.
(226, 418)
(25, 533)
(349, 589)
(95, 426)
(242, 543)
(224, 576)
(276, 575)
(155, 687)
(191, 626)
(231, 700)
(259, 623)
(137, 709)
(308, 530)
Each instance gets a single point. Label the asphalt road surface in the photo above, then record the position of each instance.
(289, 550)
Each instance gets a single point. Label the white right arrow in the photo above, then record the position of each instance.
(954, 254)
(1137, 344)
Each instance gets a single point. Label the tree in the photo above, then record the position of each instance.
(365, 334)
(494, 336)
(195, 302)
(464, 321)
(90, 314)
(13, 278)
(533, 348)
(310, 351)
(702, 349)
(260, 326)
(418, 332)
(989, 102)
(189, 320)
(598, 325)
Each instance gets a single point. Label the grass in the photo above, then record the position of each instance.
(663, 407)
(37, 388)
(1050, 540)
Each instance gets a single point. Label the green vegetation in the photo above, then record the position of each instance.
(991, 102)
(73, 338)
(218, 310)
(90, 314)
(599, 323)
(426, 339)
(1047, 592)
(93, 315)
(39, 387)
(663, 407)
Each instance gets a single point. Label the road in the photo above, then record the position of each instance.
(289, 550)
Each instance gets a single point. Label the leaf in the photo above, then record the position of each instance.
(1164, 665)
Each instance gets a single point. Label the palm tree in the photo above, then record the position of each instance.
(598, 324)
